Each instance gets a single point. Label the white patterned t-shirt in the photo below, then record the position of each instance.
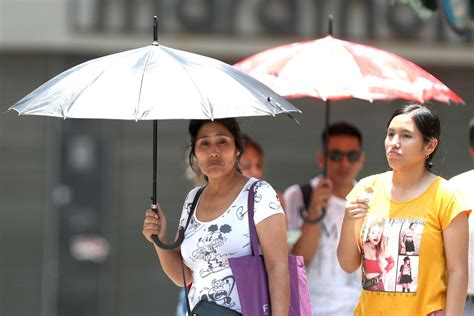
(208, 245)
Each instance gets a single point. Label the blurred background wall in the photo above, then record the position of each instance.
(73, 192)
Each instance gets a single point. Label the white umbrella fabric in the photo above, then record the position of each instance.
(153, 83)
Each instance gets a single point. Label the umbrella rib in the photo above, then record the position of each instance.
(81, 92)
(150, 54)
(235, 73)
(181, 63)
(367, 87)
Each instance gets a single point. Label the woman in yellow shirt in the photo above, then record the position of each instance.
(409, 196)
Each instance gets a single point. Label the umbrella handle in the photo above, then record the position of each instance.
(304, 216)
(173, 245)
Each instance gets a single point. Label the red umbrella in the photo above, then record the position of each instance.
(333, 69)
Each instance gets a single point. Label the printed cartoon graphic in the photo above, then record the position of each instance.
(193, 227)
(377, 259)
(274, 205)
(240, 212)
(220, 292)
(388, 243)
(207, 249)
(258, 196)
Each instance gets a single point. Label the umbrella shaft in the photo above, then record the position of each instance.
(326, 138)
(155, 150)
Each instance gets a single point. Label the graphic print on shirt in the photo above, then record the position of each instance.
(220, 292)
(207, 249)
(390, 254)
(194, 226)
(241, 211)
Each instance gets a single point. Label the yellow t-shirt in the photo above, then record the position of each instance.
(403, 259)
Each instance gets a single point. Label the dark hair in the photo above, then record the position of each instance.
(249, 142)
(406, 258)
(342, 129)
(471, 132)
(229, 123)
(427, 122)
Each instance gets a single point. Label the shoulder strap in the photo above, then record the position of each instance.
(306, 190)
(191, 211)
(193, 206)
(250, 211)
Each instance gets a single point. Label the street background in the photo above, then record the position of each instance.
(73, 192)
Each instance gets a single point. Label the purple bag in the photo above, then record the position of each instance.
(251, 277)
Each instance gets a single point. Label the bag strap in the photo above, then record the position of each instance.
(191, 211)
(250, 211)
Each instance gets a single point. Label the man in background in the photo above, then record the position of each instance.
(333, 291)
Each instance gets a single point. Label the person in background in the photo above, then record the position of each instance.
(251, 161)
(407, 193)
(219, 228)
(465, 183)
(333, 291)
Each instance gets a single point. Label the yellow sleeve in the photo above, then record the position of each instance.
(451, 205)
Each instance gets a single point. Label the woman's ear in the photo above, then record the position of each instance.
(431, 146)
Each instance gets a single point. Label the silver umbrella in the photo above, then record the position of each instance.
(153, 83)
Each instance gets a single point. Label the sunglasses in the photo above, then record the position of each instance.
(337, 155)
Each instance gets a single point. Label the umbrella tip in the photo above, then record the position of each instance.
(270, 100)
(294, 119)
(155, 30)
(330, 22)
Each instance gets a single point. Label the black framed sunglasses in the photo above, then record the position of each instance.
(337, 155)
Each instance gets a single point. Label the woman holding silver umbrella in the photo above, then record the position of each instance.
(218, 227)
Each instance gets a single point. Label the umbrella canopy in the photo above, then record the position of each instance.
(153, 83)
(333, 69)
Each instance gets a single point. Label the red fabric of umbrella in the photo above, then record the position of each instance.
(333, 69)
